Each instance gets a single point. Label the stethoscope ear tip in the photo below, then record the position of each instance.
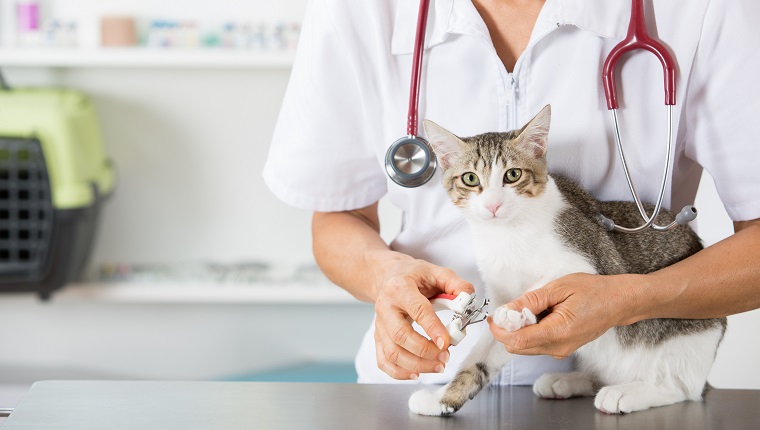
(607, 223)
(687, 215)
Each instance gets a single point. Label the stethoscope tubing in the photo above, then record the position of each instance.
(412, 126)
(638, 38)
(648, 221)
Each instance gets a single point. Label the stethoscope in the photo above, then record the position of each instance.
(410, 161)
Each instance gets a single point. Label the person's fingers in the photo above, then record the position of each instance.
(419, 308)
(538, 339)
(405, 294)
(398, 329)
(391, 369)
(395, 354)
(392, 311)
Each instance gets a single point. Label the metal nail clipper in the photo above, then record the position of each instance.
(466, 312)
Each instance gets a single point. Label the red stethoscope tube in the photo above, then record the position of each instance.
(412, 125)
(638, 38)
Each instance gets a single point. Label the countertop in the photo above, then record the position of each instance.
(169, 405)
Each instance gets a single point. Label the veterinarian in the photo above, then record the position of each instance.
(490, 65)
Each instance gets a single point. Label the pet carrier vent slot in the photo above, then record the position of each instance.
(26, 210)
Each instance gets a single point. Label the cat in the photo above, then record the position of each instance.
(530, 228)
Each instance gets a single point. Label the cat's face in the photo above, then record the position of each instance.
(494, 177)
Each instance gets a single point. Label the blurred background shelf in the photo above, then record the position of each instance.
(145, 57)
(205, 293)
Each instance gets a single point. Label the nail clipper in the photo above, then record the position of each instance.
(466, 312)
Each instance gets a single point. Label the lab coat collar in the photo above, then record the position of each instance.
(606, 18)
(405, 27)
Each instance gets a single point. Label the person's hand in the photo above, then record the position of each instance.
(581, 308)
(403, 296)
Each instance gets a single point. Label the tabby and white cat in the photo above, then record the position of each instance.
(530, 228)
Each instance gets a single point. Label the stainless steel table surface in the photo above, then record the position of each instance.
(105, 405)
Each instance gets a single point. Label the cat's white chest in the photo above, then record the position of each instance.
(513, 260)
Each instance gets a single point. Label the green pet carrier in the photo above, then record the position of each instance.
(54, 176)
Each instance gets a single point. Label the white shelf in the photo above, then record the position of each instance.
(145, 57)
(205, 294)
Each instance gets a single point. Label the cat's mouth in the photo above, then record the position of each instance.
(493, 218)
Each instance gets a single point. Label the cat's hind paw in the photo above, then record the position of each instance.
(428, 402)
(563, 386)
(511, 320)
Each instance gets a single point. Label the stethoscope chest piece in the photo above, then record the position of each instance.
(410, 162)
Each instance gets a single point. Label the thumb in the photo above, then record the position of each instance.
(537, 301)
(440, 280)
(421, 311)
(449, 283)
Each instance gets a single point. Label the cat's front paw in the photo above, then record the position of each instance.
(637, 396)
(428, 402)
(511, 320)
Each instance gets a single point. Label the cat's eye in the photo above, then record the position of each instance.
(470, 179)
(512, 175)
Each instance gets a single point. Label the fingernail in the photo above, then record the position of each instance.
(413, 377)
(444, 356)
(439, 368)
(440, 342)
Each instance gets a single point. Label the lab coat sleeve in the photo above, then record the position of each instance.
(723, 104)
(321, 157)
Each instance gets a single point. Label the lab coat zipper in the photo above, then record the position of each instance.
(512, 119)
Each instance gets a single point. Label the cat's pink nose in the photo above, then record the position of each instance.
(493, 208)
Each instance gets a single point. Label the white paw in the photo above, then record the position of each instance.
(619, 399)
(428, 402)
(563, 386)
(511, 320)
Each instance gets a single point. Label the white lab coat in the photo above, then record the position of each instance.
(348, 95)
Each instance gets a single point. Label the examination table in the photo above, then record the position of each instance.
(104, 405)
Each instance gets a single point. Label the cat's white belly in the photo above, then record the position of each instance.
(513, 261)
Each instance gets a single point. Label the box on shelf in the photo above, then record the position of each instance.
(54, 176)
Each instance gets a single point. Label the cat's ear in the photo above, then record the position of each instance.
(535, 134)
(445, 144)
